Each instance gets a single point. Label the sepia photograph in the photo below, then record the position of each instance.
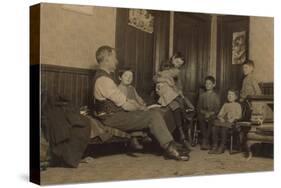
(130, 94)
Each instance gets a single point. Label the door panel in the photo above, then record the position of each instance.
(229, 75)
(192, 38)
(135, 51)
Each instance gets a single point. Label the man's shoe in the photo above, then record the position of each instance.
(186, 145)
(214, 150)
(172, 152)
(135, 144)
(205, 146)
(181, 148)
(220, 150)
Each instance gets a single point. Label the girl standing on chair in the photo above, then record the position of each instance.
(169, 89)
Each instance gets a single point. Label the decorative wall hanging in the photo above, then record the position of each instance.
(239, 47)
(141, 19)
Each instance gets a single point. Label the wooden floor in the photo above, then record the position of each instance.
(122, 166)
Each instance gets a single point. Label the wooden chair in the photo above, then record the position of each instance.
(260, 131)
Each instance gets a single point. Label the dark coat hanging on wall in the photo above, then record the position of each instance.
(67, 132)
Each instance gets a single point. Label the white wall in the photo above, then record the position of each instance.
(261, 47)
(70, 37)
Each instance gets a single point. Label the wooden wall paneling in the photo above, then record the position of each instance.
(139, 60)
(192, 38)
(78, 90)
(267, 88)
(68, 85)
(149, 64)
(229, 75)
(72, 87)
(134, 50)
(145, 62)
(161, 38)
(72, 83)
(85, 91)
(120, 43)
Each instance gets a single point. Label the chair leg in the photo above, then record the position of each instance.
(195, 135)
(231, 144)
(249, 151)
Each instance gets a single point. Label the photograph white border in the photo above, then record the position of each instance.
(14, 97)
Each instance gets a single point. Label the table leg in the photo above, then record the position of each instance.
(249, 151)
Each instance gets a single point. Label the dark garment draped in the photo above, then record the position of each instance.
(67, 132)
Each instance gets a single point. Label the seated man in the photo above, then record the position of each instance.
(115, 110)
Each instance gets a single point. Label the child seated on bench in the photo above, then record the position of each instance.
(126, 78)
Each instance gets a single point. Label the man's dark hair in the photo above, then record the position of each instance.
(250, 63)
(211, 78)
(102, 52)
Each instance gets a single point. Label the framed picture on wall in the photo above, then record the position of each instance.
(239, 47)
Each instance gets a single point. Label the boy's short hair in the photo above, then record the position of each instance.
(235, 91)
(249, 63)
(211, 78)
(102, 52)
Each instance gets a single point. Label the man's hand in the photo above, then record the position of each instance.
(231, 120)
(143, 108)
(131, 105)
(221, 119)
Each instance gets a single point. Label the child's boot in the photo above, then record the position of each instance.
(220, 149)
(214, 150)
(205, 145)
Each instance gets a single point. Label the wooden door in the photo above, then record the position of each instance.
(135, 50)
(229, 75)
(192, 39)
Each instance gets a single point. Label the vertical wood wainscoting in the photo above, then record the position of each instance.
(229, 75)
(140, 50)
(192, 39)
(74, 84)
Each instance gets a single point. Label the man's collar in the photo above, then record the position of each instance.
(104, 69)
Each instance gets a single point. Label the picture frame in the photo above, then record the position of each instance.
(63, 64)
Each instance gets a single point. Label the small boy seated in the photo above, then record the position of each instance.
(229, 113)
(126, 77)
(208, 106)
